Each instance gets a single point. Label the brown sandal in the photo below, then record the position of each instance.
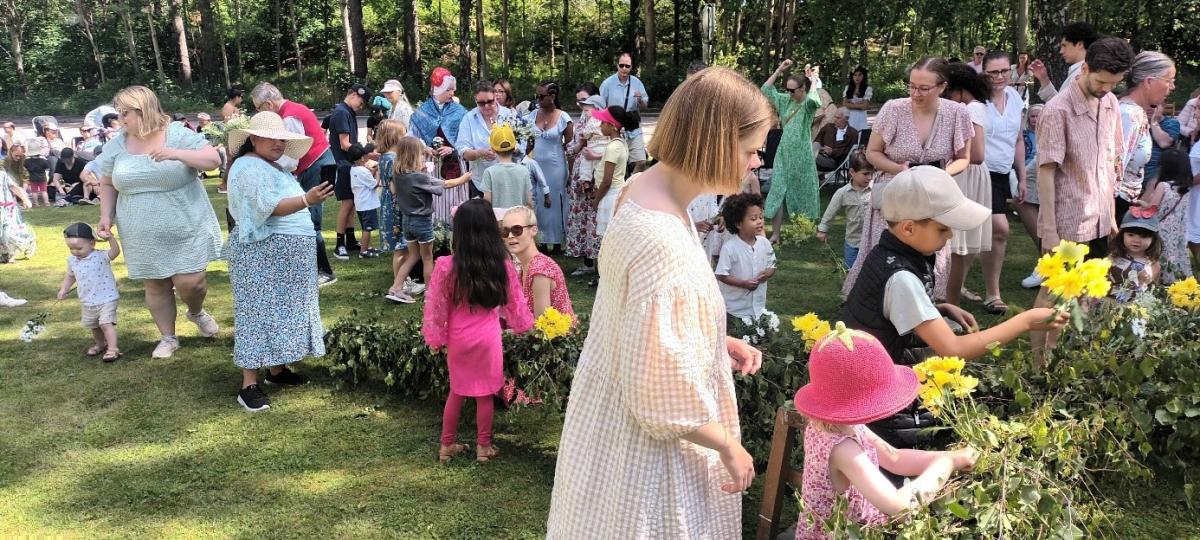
(484, 453)
(111, 355)
(94, 350)
(447, 452)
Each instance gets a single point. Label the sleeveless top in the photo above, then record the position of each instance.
(818, 492)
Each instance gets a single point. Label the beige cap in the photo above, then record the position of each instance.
(392, 85)
(928, 192)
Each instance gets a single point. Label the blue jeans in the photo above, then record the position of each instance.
(850, 253)
(308, 180)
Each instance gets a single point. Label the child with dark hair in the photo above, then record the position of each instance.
(1135, 254)
(1168, 193)
(609, 173)
(747, 261)
(468, 294)
(851, 197)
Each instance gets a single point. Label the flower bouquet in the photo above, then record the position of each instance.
(217, 133)
(1069, 277)
(811, 328)
(33, 327)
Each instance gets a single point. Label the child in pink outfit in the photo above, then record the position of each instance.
(854, 382)
(464, 317)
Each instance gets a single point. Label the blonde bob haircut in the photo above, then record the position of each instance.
(704, 123)
(145, 102)
(526, 212)
(388, 134)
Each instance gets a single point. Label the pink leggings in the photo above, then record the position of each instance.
(484, 410)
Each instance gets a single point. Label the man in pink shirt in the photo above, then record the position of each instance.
(1079, 157)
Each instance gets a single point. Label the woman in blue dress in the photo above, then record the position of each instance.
(552, 130)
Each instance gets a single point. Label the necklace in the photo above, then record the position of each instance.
(544, 124)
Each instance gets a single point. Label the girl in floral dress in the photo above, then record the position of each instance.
(1169, 194)
(16, 239)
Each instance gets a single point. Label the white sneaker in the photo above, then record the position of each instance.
(207, 325)
(1033, 281)
(8, 301)
(413, 288)
(400, 298)
(166, 348)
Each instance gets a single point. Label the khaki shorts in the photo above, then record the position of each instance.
(637, 148)
(94, 316)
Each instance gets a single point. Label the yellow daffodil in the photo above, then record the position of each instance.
(1050, 265)
(1071, 252)
(553, 323)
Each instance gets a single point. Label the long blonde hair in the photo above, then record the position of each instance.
(388, 134)
(143, 100)
(410, 156)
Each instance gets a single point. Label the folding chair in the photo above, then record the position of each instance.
(841, 175)
(780, 473)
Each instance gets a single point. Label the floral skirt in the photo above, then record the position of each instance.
(16, 238)
(277, 319)
(582, 240)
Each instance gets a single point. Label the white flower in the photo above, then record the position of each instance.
(772, 320)
(760, 332)
(1138, 326)
(748, 321)
(747, 339)
(39, 329)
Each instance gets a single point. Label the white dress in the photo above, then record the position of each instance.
(976, 184)
(654, 367)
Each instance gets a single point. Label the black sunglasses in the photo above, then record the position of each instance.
(793, 90)
(624, 66)
(484, 102)
(515, 230)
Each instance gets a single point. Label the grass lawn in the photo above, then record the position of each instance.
(159, 448)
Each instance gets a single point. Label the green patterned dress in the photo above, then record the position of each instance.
(794, 180)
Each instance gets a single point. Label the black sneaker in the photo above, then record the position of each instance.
(286, 377)
(253, 399)
(368, 254)
(341, 254)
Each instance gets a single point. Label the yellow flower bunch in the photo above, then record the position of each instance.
(797, 230)
(552, 323)
(1185, 294)
(941, 375)
(1069, 276)
(811, 328)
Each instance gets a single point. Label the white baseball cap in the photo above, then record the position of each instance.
(927, 192)
(392, 86)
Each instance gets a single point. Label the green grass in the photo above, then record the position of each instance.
(159, 448)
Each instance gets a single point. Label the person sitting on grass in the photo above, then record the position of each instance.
(892, 299)
(92, 271)
(506, 184)
(747, 261)
(852, 382)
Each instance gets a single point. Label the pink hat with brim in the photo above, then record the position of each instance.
(604, 116)
(852, 380)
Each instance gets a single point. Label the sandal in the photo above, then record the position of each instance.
(966, 294)
(484, 453)
(95, 350)
(447, 452)
(111, 355)
(995, 306)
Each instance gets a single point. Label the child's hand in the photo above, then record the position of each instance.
(703, 227)
(824, 238)
(62, 294)
(964, 458)
(1046, 319)
(960, 316)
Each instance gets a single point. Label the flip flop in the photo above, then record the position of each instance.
(995, 306)
(94, 350)
(111, 355)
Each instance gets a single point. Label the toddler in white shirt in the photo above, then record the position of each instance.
(92, 271)
(747, 260)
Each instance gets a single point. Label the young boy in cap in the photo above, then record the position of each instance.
(343, 133)
(506, 184)
(366, 198)
(892, 299)
(92, 271)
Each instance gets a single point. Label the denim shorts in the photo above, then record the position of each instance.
(418, 229)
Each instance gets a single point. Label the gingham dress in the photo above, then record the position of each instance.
(653, 369)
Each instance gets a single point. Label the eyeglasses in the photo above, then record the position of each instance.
(922, 90)
(484, 102)
(624, 66)
(996, 73)
(1170, 81)
(516, 231)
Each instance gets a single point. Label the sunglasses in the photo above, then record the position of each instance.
(484, 102)
(793, 90)
(516, 231)
(624, 66)
(540, 96)
(978, 54)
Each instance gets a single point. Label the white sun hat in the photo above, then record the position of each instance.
(269, 125)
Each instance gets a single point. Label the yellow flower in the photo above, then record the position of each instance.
(1071, 252)
(805, 323)
(820, 331)
(1067, 285)
(553, 323)
(1050, 265)
(965, 385)
(1185, 294)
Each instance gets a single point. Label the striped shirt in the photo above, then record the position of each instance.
(1083, 138)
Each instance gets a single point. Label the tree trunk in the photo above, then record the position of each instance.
(296, 41)
(238, 61)
(675, 25)
(1050, 17)
(650, 51)
(277, 39)
(210, 51)
(505, 53)
(464, 39)
(412, 40)
(737, 31)
(359, 35)
(130, 41)
(1021, 32)
(480, 40)
(185, 60)
(631, 30)
(346, 34)
(566, 32)
(162, 75)
(14, 22)
(768, 34)
(86, 19)
(224, 55)
(789, 27)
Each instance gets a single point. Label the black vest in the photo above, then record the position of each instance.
(863, 308)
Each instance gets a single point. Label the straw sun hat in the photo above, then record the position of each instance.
(269, 125)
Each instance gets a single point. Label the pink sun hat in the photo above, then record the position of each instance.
(606, 117)
(852, 380)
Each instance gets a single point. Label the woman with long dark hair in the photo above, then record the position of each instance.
(857, 99)
(965, 85)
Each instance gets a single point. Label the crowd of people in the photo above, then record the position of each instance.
(672, 230)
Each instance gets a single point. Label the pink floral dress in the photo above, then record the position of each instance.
(542, 265)
(582, 240)
(818, 491)
(952, 131)
(471, 334)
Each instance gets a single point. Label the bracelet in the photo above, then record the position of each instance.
(305, 199)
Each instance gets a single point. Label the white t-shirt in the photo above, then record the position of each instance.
(743, 261)
(858, 117)
(906, 302)
(1002, 131)
(94, 278)
(363, 183)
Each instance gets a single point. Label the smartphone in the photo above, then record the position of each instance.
(329, 174)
